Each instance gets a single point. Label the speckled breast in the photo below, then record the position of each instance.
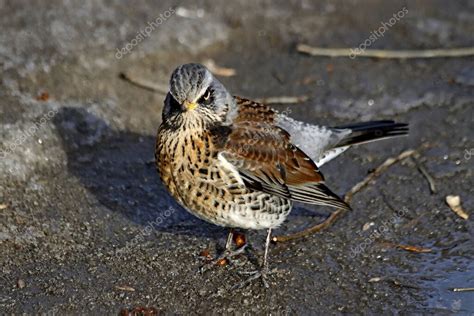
(209, 187)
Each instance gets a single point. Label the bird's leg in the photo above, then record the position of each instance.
(263, 272)
(228, 244)
(267, 247)
(227, 254)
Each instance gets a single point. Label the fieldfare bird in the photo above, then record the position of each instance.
(237, 163)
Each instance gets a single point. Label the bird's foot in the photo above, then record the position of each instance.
(255, 275)
(225, 258)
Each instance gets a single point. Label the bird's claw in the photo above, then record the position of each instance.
(223, 259)
(254, 275)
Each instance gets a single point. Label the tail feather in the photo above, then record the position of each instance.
(369, 131)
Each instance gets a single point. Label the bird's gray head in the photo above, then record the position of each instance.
(193, 89)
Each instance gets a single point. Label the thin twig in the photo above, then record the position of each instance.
(282, 100)
(425, 173)
(347, 198)
(379, 53)
(463, 289)
(393, 281)
(314, 229)
(410, 248)
(387, 163)
(385, 200)
(125, 288)
(398, 283)
(142, 83)
(151, 86)
(218, 70)
(413, 248)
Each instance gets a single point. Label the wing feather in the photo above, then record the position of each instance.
(267, 160)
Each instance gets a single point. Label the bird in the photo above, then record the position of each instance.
(240, 164)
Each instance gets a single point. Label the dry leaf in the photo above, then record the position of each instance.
(205, 254)
(222, 262)
(330, 68)
(454, 202)
(43, 96)
(3, 206)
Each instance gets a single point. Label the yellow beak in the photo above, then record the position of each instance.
(190, 105)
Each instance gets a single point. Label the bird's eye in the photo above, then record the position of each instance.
(206, 98)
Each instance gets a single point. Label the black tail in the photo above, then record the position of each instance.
(369, 131)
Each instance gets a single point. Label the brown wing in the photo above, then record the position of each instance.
(267, 160)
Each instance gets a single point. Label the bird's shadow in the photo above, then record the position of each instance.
(118, 168)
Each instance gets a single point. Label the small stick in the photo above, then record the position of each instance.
(398, 283)
(463, 289)
(282, 100)
(385, 199)
(142, 83)
(380, 169)
(395, 282)
(413, 248)
(314, 229)
(151, 86)
(219, 71)
(347, 198)
(125, 288)
(379, 53)
(425, 173)
(409, 248)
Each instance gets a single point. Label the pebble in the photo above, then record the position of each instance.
(20, 283)
(367, 226)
